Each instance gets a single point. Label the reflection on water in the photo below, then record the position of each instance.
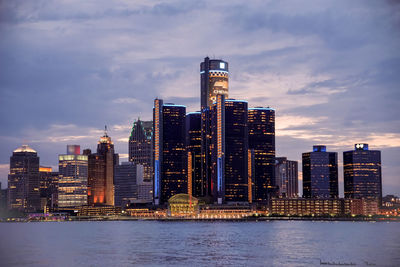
(275, 243)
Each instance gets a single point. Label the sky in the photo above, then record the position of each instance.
(330, 69)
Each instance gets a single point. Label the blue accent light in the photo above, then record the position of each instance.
(219, 171)
(202, 72)
(173, 105)
(262, 109)
(235, 100)
(156, 178)
(319, 148)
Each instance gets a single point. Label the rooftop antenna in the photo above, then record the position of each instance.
(105, 130)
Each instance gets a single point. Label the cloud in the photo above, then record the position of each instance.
(330, 69)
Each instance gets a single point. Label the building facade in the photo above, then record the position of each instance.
(140, 147)
(170, 158)
(261, 125)
(125, 183)
(286, 174)
(362, 173)
(101, 173)
(48, 187)
(236, 151)
(214, 80)
(320, 173)
(23, 180)
(193, 146)
(73, 178)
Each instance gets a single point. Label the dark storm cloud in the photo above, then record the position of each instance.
(330, 69)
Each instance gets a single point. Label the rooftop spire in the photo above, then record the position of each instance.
(105, 131)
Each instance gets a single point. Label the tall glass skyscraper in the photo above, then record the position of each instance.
(362, 173)
(320, 173)
(236, 151)
(140, 146)
(214, 80)
(193, 145)
(262, 140)
(125, 183)
(170, 158)
(101, 173)
(73, 178)
(23, 180)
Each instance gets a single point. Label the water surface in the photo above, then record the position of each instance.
(156, 243)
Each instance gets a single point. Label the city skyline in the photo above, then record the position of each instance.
(324, 91)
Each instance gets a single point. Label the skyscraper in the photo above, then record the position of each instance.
(169, 151)
(320, 173)
(262, 140)
(218, 150)
(73, 178)
(101, 173)
(236, 150)
(193, 145)
(48, 187)
(214, 80)
(140, 146)
(362, 173)
(125, 183)
(23, 180)
(286, 174)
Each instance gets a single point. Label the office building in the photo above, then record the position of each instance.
(193, 146)
(286, 174)
(23, 180)
(73, 178)
(101, 172)
(170, 158)
(362, 173)
(218, 152)
(214, 80)
(144, 188)
(48, 187)
(140, 147)
(236, 150)
(125, 183)
(320, 173)
(261, 125)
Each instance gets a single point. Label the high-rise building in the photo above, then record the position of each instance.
(144, 188)
(261, 124)
(170, 160)
(193, 146)
(286, 174)
(48, 187)
(218, 151)
(73, 178)
(125, 183)
(320, 173)
(140, 146)
(214, 80)
(362, 173)
(101, 172)
(23, 180)
(236, 150)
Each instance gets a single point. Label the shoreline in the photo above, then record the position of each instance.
(182, 219)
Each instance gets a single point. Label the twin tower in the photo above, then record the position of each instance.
(224, 153)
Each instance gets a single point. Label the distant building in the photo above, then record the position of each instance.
(170, 162)
(362, 173)
(140, 147)
(23, 180)
(193, 145)
(3, 199)
(261, 124)
(125, 183)
(144, 188)
(73, 178)
(48, 187)
(101, 172)
(306, 207)
(286, 173)
(320, 173)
